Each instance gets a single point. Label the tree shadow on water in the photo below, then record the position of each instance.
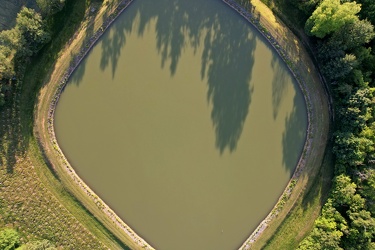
(79, 72)
(280, 82)
(227, 59)
(113, 42)
(111, 51)
(170, 34)
(294, 135)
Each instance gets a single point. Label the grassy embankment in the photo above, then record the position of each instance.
(33, 199)
(299, 210)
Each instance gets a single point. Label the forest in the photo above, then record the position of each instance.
(342, 34)
(20, 43)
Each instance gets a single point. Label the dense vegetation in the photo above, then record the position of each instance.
(343, 36)
(17, 45)
(10, 240)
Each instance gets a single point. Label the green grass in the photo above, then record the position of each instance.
(299, 221)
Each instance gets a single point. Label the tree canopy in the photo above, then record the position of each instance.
(9, 239)
(330, 16)
(17, 45)
(32, 31)
(50, 7)
(345, 45)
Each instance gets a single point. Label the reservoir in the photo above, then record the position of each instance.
(185, 121)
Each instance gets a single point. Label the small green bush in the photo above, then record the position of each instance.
(9, 239)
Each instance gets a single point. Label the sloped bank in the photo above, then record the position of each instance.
(44, 130)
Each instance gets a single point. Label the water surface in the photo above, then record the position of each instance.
(185, 122)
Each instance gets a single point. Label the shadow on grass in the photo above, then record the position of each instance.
(323, 180)
(318, 187)
(13, 143)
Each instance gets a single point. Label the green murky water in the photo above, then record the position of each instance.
(185, 122)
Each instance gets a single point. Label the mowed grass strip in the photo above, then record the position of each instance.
(32, 198)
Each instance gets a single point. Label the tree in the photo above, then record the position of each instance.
(6, 63)
(359, 31)
(307, 7)
(339, 67)
(33, 31)
(9, 44)
(2, 97)
(10, 39)
(355, 111)
(327, 232)
(362, 230)
(368, 9)
(9, 239)
(50, 7)
(347, 149)
(343, 191)
(330, 16)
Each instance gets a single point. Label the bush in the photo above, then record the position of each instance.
(9, 239)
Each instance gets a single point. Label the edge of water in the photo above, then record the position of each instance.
(100, 203)
(307, 149)
(302, 85)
